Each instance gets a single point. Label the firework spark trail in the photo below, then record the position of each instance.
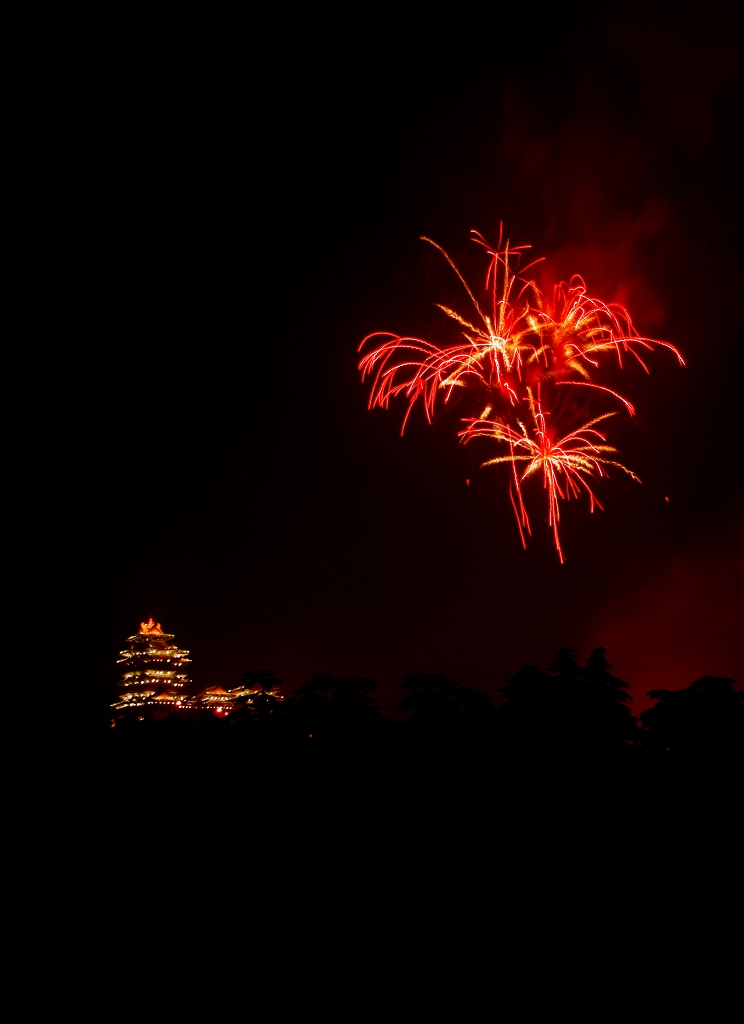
(507, 360)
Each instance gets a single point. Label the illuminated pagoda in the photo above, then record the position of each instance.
(153, 675)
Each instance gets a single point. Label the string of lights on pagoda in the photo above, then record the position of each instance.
(512, 352)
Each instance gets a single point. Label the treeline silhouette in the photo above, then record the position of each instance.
(557, 762)
(569, 713)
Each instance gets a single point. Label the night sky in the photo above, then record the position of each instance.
(251, 206)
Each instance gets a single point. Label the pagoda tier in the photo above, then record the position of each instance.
(153, 669)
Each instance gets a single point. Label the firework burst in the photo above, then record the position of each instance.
(512, 349)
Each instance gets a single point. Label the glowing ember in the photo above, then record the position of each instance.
(512, 351)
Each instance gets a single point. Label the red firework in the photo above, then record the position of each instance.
(511, 351)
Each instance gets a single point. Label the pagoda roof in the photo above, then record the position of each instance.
(152, 627)
(156, 641)
(155, 651)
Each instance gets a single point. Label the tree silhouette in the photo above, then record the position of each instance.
(570, 710)
(597, 673)
(335, 709)
(260, 682)
(534, 717)
(609, 701)
(439, 707)
(705, 718)
(259, 702)
(310, 712)
(565, 666)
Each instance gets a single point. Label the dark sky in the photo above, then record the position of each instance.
(251, 201)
